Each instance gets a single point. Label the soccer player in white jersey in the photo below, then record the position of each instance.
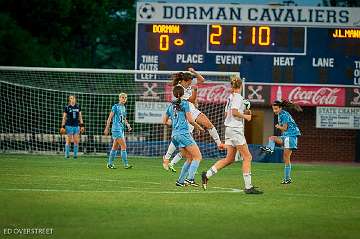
(180, 115)
(235, 111)
(289, 134)
(190, 94)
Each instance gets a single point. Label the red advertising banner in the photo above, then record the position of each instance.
(207, 93)
(310, 95)
(216, 93)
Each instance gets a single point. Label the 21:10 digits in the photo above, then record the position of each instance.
(220, 35)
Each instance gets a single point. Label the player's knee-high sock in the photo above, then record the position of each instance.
(212, 171)
(271, 144)
(124, 157)
(192, 170)
(112, 156)
(170, 151)
(67, 150)
(214, 134)
(247, 180)
(184, 172)
(176, 159)
(76, 150)
(287, 171)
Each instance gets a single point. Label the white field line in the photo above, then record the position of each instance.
(229, 190)
(232, 190)
(81, 179)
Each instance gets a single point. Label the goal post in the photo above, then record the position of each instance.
(33, 99)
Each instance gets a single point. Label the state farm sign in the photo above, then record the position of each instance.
(207, 93)
(310, 95)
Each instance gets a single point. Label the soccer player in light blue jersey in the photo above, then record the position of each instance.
(119, 125)
(72, 124)
(180, 115)
(289, 134)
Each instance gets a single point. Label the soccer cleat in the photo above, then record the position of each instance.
(252, 190)
(128, 166)
(179, 184)
(191, 182)
(165, 163)
(171, 167)
(286, 181)
(204, 180)
(111, 166)
(266, 149)
(75, 157)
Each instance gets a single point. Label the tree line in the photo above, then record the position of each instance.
(67, 33)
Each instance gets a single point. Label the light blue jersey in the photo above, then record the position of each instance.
(118, 123)
(178, 117)
(285, 118)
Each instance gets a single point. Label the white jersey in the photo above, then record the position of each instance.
(235, 101)
(187, 94)
(188, 91)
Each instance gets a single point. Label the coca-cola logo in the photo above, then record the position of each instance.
(213, 94)
(320, 96)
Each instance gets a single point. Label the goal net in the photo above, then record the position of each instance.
(33, 100)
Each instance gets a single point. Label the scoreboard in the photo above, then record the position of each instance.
(265, 44)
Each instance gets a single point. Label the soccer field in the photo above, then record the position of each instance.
(84, 199)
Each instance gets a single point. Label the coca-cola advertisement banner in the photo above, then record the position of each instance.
(206, 93)
(310, 95)
(216, 93)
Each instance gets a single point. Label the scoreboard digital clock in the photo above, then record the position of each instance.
(268, 52)
(227, 38)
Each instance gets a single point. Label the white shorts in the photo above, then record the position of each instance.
(194, 111)
(234, 136)
(191, 128)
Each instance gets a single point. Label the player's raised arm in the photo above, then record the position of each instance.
(200, 79)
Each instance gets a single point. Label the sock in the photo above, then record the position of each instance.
(238, 156)
(124, 157)
(212, 171)
(247, 180)
(184, 172)
(193, 168)
(176, 159)
(287, 170)
(271, 144)
(76, 149)
(112, 156)
(214, 134)
(67, 150)
(170, 151)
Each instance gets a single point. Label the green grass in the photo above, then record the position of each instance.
(83, 199)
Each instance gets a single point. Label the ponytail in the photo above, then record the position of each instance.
(288, 104)
(178, 92)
